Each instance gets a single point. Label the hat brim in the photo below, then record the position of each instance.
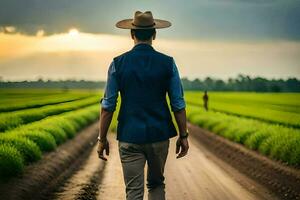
(127, 24)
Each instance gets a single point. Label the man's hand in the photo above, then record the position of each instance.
(103, 145)
(182, 145)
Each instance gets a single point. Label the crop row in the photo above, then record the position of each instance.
(14, 119)
(281, 99)
(14, 92)
(13, 104)
(250, 110)
(25, 144)
(19, 94)
(276, 141)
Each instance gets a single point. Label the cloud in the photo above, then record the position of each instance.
(256, 1)
(8, 29)
(89, 55)
(209, 19)
(89, 65)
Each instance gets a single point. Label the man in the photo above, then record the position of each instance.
(143, 77)
(205, 100)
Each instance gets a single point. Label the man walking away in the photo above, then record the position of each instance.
(205, 100)
(143, 76)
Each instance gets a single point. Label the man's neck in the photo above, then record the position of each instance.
(142, 42)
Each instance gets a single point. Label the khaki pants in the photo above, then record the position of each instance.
(133, 159)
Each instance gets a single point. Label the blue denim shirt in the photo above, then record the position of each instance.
(175, 91)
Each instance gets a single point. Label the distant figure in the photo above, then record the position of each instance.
(205, 100)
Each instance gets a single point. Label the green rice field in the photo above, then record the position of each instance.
(266, 122)
(35, 121)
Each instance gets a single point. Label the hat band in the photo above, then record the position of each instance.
(146, 26)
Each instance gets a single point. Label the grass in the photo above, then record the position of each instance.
(11, 162)
(281, 109)
(42, 130)
(25, 143)
(18, 103)
(30, 152)
(44, 140)
(60, 127)
(14, 119)
(276, 141)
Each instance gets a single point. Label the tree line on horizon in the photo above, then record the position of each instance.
(243, 83)
(239, 83)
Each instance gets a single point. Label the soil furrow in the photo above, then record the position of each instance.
(284, 181)
(83, 184)
(40, 179)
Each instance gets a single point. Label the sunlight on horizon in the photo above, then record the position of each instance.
(73, 32)
(88, 55)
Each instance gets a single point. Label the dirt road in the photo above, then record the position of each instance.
(199, 175)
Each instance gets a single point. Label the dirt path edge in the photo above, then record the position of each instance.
(44, 176)
(282, 180)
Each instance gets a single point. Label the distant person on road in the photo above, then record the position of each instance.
(143, 76)
(205, 100)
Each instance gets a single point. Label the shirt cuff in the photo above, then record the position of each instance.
(178, 106)
(108, 106)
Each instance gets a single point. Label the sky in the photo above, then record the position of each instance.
(61, 39)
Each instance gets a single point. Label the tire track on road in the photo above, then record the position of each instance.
(83, 184)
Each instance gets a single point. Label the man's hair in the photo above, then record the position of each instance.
(143, 34)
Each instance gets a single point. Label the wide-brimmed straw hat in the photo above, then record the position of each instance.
(143, 21)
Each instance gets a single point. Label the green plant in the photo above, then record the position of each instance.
(276, 141)
(14, 119)
(29, 150)
(11, 162)
(44, 140)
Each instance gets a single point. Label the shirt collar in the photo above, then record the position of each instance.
(142, 46)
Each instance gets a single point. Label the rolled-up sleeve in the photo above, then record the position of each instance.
(175, 91)
(110, 98)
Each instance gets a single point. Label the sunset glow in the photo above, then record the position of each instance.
(73, 32)
(220, 39)
(87, 55)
